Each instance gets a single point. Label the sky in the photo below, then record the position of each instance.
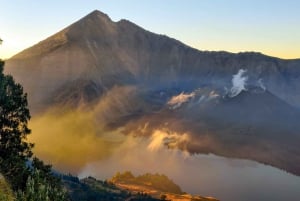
(267, 26)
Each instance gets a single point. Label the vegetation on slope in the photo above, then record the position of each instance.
(90, 189)
(158, 181)
(5, 190)
(157, 185)
(35, 182)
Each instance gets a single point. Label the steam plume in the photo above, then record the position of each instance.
(261, 84)
(238, 83)
(176, 101)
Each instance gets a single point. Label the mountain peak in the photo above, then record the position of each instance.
(97, 14)
(93, 26)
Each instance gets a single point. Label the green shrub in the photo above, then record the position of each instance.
(5, 191)
(38, 189)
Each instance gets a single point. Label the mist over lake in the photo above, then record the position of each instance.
(124, 111)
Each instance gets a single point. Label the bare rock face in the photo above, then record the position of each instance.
(119, 53)
(136, 73)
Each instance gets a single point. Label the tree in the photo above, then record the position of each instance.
(39, 189)
(45, 172)
(35, 182)
(14, 116)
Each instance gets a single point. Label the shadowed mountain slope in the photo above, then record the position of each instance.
(130, 77)
(120, 53)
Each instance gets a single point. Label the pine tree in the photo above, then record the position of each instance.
(14, 116)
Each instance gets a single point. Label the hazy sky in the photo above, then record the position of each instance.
(268, 26)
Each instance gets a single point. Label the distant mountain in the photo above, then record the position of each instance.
(238, 105)
(96, 51)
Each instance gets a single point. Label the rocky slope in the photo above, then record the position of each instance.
(238, 105)
(96, 51)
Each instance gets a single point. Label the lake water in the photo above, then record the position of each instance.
(238, 180)
(206, 175)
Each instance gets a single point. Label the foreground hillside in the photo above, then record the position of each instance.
(90, 189)
(121, 187)
(125, 186)
(5, 191)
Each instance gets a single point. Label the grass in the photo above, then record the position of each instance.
(5, 191)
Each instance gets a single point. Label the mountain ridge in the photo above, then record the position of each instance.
(100, 15)
(137, 73)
